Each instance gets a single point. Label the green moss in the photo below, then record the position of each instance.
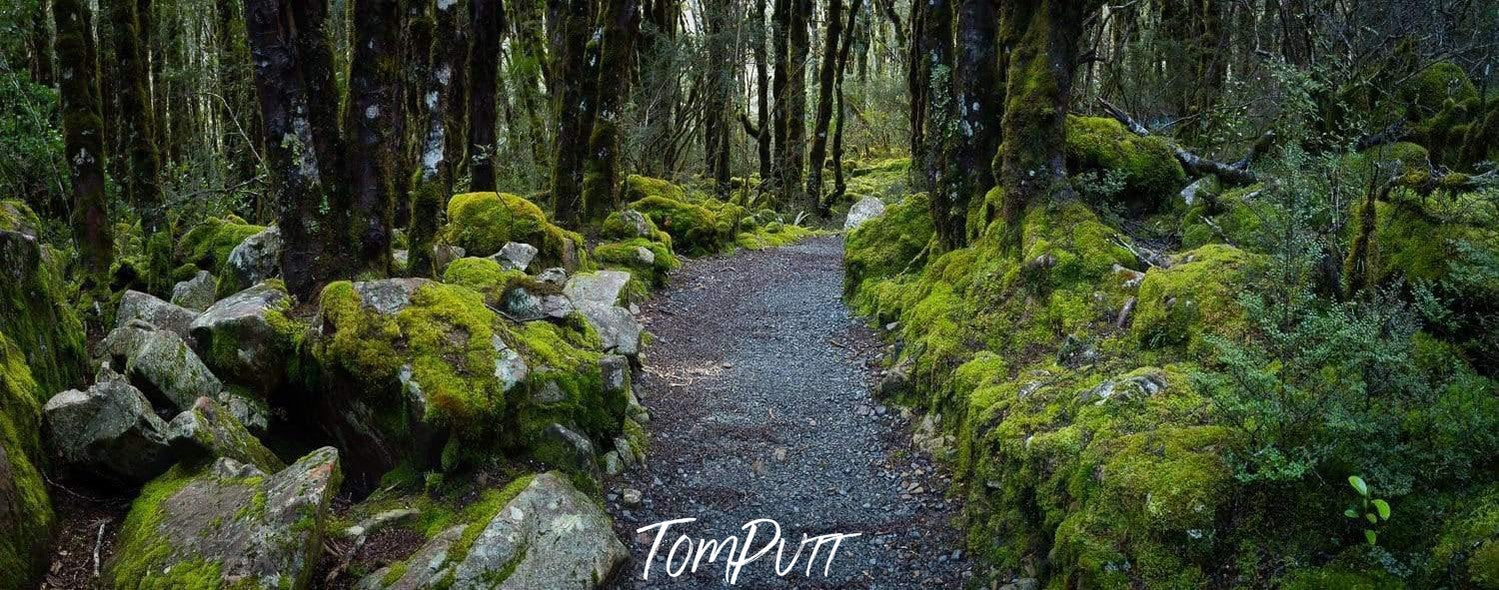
(696, 228)
(884, 247)
(1194, 297)
(481, 223)
(142, 550)
(208, 244)
(25, 509)
(39, 318)
(1467, 550)
(1233, 217)
(772, 235)
(625, 255)
(1148, 166)
(565, 360)
(1430, 90)
(478, 514)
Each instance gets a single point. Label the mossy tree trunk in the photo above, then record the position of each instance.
(720, 91)
(941, 137)
(780, 38)
(839, 184)
(314, 249)
(571, 112)
(1038, 87)
(977, 83)
(916, 90)
(762, 93)
(39, 40)
(373, 124)
(798, 49)
(136, 126)
(601, 178)
(488, 22)
(826, 80)
(83, 141)
(434, 178)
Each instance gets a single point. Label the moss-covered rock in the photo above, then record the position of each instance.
(645, 259)
(482, 223)
(207, 247)
(1434, 87)
(886, 246)
(1196, 296)
(35, 309)
(1233, 217)
(772, 235)
(1146, 165)
(705, 226)
(229, 525)
(1467, 551)
(26, 517)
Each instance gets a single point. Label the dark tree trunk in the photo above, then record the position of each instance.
(762, 94)
(839, 185)
(434, 180)
(572, 117)
(374, 128)
(309, 30)
(40, 40)
(720, 78)
(976, 83)
(488, 23)
(942, 120)
(83, 141)
(780, 38)
(313, 249)
(916, 90)
(798, 46)
(136, 129)
(826, 80)
(1038, 88)
(601, 179)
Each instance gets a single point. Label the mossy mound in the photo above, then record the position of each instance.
(773, 235)
(482, 223)
(884, 247)
(35, 310)
(207, 246)
(1147, 166)
(486, 276)
(1434, 88)
(646, 260)
(700, 227)
(1467, 551)
(1233, 217)
(1195, 297)
(26, 517)
(886, 179)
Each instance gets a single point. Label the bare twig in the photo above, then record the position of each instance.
(98, 543)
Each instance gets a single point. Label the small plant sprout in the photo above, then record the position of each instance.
(1370, 509)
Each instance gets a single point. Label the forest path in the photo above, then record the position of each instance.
(759, 384)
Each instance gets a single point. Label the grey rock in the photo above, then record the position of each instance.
(388, 296)
(638, 224)
(1022, 584)
(645, 255)
(1205, 187)
(525, 305)
(626, 452)
(443, 255)
(257, 258)
(253, 413)
(1138, 386)
(617, 328)
(566, 449)
(600, 287)
(549, 536)
(257, 530)
(135, 305)
(613, 465)
(896, 382)
(210, 427)
(866, 209)
(509, 366)
(379, 521)
(196, 293)
(109, 431)
(616, 372)
(630, 497)
(169, 372)
(515, 256)
(238, 342)
(549, 392)
(553, 276)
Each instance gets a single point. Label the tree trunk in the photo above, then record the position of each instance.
(977, 84)
(762, 94)
(942, 120)
(720, 78)
(916, 90)
(374, 127)
(826, 80)
(1038, 88)
(136, 128)
(40, 39)
(601, 179)
(839, 185)
(83, 141)
(434, 179)
(780, 31)
(796, 107)
(313, 249)
(311, 35)
(572, 117)
(488, 22)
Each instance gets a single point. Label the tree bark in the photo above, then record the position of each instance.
(141, 185)
(374, 125)
(313, 250)
(488, 22)
(572, 115)
(781, 31)
(826, 80)
(1038, 88)
(434, 179)
(720, 82)
(762, 94)
(798, 46)
(977, 84)
(601, 177)
(916, 91)
(83, 141)
(839, 185)
(941, 121)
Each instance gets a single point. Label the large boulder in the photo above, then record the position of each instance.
(161, 364)
(255, 259)
(548, 535)
(602, 287)
(196, 293)
(482, 223)
(135, 305)
(210, 426)
(109, 431)
(597, 296)
(1150, 176)
(26, 517)
(208, 245)
(36, 314)
(515, 256)
(866, 209)
(229, 525)
(239, 339)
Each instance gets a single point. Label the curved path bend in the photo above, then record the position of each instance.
(759, 385)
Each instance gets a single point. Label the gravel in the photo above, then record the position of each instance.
(759, 385)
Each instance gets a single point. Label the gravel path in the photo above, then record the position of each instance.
(758, 382)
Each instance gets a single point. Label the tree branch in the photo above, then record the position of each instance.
(1236, 173)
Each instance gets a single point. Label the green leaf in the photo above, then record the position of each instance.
(1350, 513)
(1358, 485)
(1368, 534)
(1384, 509)
(1369, 516)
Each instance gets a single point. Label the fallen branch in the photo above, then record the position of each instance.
(99, 542)
(1195, 164)
(1395, 132)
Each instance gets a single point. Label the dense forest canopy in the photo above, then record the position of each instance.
(1191, 293)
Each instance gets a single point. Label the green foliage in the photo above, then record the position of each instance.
(698, 226)
(886, 246)
(1145, 168)
(1369, 512)
(23, 495)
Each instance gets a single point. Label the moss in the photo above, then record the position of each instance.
(884, 247)
(1339, 578)
(1194, 297)
(565, 360)
(625, 255)
(1432, 88)
(481, 223)
(141, 549)
(696, 228)
(1467, 550)
(1148, 166)
(617, 227)
(773, 235)
(25, 509)
(1233, 217)
(478, 514)
(487, 277)
(39, 318)
(208, 244)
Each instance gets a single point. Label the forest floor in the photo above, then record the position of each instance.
(759, 381)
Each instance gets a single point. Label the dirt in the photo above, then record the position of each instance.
(759, 385)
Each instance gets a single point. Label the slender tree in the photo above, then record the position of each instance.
(434, 179)
(826, 81)
(488, 24)
(977, 86)
(840, 186)
(780, 39)
(83, 140)
(572, 114)
(798, 52)
(136, 126)
(941, 120)
(762, 93)
(374, 128)
(720, 90)
(602, 176)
